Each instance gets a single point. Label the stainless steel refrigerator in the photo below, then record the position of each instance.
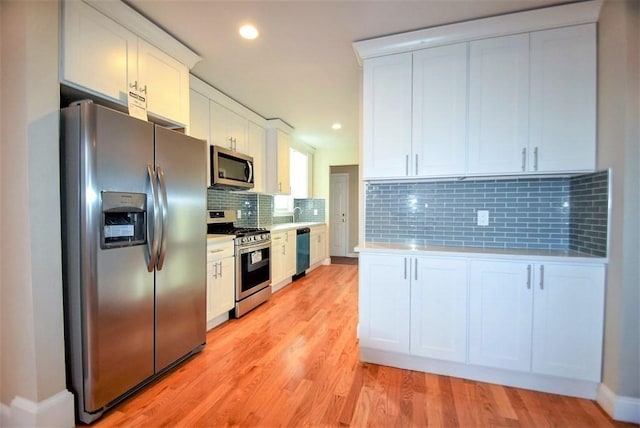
(134, 249)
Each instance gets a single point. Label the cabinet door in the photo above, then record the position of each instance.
(317, 238)
(500, 311)
(228, 129)
(284, 145)
(290, 253)
(277, 257)
(387, 116)
(498, 104)
(440, 111)
(224, 290)
(384, 302)
(256, 149)
(212, 279)
(97, 53)
(568, 320)
(167, 82)
(439, 308)
(563, 99)
(199, 124)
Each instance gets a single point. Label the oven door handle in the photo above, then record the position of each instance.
(261, 246)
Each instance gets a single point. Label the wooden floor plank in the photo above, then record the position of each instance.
(294, 362)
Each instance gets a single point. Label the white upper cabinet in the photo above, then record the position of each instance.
(439, 111)
(562, 133)
(199, 124)
(499, 105)
(387, 116)
(507, 95)
(166, 81)
(228, 128)
(100, 56)
(278, 177)
(97, 53)
(256, 142)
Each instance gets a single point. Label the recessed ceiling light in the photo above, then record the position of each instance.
(336, 126)
(248, 31)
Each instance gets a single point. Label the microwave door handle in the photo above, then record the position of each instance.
(250, 177)
(152, 242)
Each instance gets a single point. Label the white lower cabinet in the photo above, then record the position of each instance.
(568, 315)
(439, 308)
(317, 250)
(384, 302)
(545, 318)
(535, 318)
(283, 256)
(414, 305)
(220, 281)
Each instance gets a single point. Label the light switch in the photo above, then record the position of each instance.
(483, 218)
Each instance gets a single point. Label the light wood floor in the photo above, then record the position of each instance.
(294, 362)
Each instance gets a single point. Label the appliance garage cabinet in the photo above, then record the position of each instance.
(530, 108)
(102, 57)
(220, 280)
(483, 318)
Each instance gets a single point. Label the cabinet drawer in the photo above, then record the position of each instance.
(219, 250)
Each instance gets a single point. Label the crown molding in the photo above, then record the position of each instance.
(145, 29)
(583, 12)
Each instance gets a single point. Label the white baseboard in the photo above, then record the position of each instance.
(279, 286)
(55, 411)
(620, 408)
(220, 319)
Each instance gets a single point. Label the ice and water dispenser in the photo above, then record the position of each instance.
(124, 219)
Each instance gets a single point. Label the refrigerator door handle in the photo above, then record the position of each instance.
(165, 221)
(153, 246)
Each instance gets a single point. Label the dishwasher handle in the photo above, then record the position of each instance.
(303, 230)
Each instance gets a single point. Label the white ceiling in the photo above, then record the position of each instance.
(302, 69)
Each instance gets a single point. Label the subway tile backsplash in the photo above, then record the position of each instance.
(255, 208)
(309, 210)
(523, 213)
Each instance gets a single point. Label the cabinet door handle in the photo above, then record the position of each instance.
(216, 251)
(528, 277)
(406, 165)
(416, 164)
(220, 268)
(541, 277)
(405, 268)
(524, 158)
(215, 275)
(415, 270)
(535, 158)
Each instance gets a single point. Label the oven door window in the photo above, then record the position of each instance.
(254, 268)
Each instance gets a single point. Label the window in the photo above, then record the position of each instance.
(299, 178)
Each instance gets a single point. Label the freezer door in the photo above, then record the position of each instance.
(181, 269)
(114, 291)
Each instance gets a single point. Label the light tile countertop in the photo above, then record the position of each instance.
(293, 226)
(497, 253)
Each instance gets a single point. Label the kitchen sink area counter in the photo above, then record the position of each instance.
(294, 226)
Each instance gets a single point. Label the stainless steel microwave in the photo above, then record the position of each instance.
(229, 169)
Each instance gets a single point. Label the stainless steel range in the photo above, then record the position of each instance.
(253, 260)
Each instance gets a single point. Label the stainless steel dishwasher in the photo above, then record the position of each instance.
(303, 237)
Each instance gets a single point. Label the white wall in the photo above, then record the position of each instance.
(33, 372)
(618, 141)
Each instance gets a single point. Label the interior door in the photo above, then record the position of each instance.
(339, 217)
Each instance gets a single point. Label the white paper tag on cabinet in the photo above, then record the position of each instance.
(137, 104)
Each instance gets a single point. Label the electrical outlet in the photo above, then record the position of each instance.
(239, 214)
(483, 218)
(315, 212)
